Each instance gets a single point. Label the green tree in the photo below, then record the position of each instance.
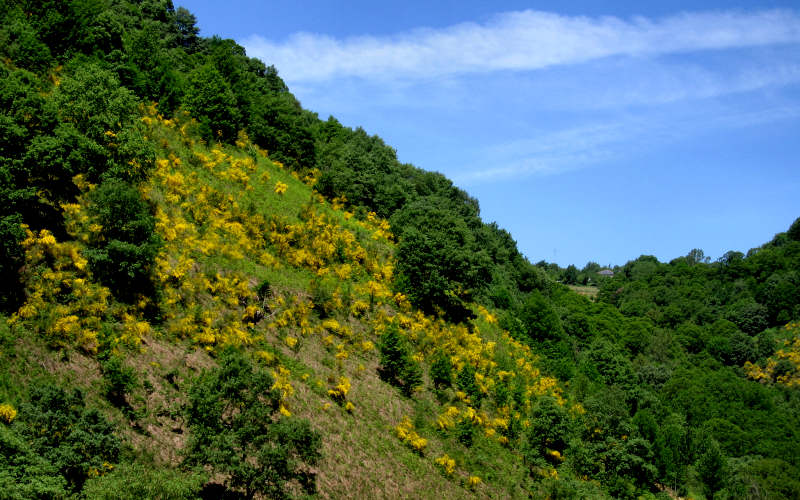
(123, 258)
(210, 99)
(549, 430)
(236, 430)
(75, 440)
(570, 276)
(711, 467)
(672, 451)
(438, 265)
(396, 365)
(186, 24)
(540, 319)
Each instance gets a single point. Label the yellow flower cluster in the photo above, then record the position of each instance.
(63, 304)
(447, 464)
(280, 187)
(102, 471)
(405, 431)
(283, 385)
(379, 227)
(294, 313)
(783, 367)
(7, 413)
(339, 392)
(321, 245)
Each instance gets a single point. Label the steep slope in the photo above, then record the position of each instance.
(252, 257)
(223, 295)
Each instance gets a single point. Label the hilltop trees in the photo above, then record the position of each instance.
(438, 262)
(209, 97)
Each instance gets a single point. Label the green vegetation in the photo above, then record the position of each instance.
(231, 418)
(209, 291)
(396, 366)
(122, 256)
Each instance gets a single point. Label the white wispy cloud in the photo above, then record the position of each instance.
(578, 147)
(525, 40)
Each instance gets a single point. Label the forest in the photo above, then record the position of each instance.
(208, 291)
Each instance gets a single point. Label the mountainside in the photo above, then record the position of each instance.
(210, 292)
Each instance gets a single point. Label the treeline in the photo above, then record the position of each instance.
(658, 361)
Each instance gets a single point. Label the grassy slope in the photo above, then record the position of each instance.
(585, 290)
(227, 230)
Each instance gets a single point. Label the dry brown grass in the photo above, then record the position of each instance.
(362, 457)
(586, 291)
(166, 368)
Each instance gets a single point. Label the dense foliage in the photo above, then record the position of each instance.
(54, 445)
(396, 365)
(151, 177)
(232, 417)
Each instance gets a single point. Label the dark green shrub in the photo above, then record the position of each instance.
(120, 380)
(24, 473)
(123, 259)
(465, 432)
(263, 290)
(322, 291)
(236, 430)
(465, 380)
(77, 441)
(441, 370)
(11, 260)
(549, 431)
(396, 366)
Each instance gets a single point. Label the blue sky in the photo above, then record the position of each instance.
(591, 131)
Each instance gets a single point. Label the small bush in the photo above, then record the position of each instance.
(135, 481)
(119, 381)
(396, 366)
(441, 371)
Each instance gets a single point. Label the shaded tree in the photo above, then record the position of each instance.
(236, 430)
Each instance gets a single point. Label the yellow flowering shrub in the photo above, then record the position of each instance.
(405, 431)
(446, 464)
(7, 413)
(339, 392)
(280, 187)
(783, 367)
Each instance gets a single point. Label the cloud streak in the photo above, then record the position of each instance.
(519, 41)
(578, 147)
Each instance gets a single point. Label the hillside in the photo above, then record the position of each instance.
(210, 292)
